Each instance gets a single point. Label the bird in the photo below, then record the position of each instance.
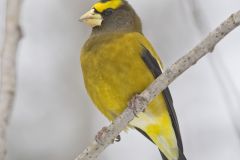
(118, 62)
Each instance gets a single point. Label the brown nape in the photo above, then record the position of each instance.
(123, 19)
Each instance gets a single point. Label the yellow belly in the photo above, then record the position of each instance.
(113, 73)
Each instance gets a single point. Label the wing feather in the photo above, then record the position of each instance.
(155, 68)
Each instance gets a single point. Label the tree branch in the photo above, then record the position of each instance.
(107, 135)
(8, 67)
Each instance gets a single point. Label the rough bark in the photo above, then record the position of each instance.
(8, 68)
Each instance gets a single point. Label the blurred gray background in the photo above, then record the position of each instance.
(53, 118)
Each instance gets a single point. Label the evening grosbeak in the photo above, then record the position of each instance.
(118, 62)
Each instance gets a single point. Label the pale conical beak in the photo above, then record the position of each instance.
(91, 18)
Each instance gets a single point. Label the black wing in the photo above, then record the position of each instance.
(154, 67)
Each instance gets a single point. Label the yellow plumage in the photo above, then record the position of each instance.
(113, 4)
(118, 62)
(114, 72)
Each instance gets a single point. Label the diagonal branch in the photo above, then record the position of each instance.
(107, 135)
(230, 91)
(8, 68)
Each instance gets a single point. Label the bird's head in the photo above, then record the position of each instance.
(112, 16)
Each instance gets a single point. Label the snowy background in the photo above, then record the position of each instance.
(53, 118)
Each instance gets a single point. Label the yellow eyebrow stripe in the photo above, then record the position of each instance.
(102, 6)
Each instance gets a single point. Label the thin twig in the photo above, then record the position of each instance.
(8, 68)
(107, 135)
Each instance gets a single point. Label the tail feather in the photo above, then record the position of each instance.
(181, 155)
(163, 156)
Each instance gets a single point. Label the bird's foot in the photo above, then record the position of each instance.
(118, 138)
(100, 135)
(135, 102)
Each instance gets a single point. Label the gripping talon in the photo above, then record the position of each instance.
(100, 134)
(118, 138)
(136, 100)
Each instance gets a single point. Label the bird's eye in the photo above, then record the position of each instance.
(108, 12)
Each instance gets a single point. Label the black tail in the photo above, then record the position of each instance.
(163, 156)
(181, 156)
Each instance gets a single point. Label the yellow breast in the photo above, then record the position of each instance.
(114, 71)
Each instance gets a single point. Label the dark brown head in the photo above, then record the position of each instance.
(112, 16)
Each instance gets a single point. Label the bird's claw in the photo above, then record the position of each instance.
(137, 104)
(100, 134)
(133, 106)
(118, 138)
